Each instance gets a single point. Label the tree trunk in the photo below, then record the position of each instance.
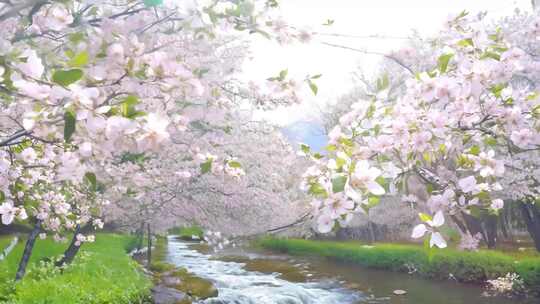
(531, 214)
(473, 224)
(140, 236)
(372, 238)
(459, 223)
(149, 252)
(28, 250)
(504, 224)
(491, 231)
(71, 251)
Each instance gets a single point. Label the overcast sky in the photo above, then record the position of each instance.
(396, 18)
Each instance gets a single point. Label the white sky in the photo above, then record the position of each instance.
(352, 17)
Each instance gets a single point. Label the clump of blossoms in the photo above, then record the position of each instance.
(461, 128)
(216, 240)
(510, 284)
(469, 242)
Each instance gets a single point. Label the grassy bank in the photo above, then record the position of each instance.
(187, 232)
(473, 267)
(101, 273)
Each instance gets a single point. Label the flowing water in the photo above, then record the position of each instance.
(258, 277)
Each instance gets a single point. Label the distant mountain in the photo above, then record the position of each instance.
(307, 132)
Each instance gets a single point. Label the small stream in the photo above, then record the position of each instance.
(316, 281)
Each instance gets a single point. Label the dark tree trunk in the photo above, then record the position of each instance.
(71, 251)
(504, 224)
(491, 231)
(459, 223)
(140, 236)
(149, 252)
(473, 225)
(28, 250)
(371, 231)
(487, 231)
(531, 214)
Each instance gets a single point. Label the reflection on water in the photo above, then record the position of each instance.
(326, 282)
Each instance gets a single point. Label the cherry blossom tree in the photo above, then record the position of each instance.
(466, 128)
(83, 84)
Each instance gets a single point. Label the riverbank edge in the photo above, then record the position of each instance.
(465, 267)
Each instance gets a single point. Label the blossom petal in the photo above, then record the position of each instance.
(438, 219)
(352, 194)
(437, 240)
(7, 218)
(375, 188)
(419, 231)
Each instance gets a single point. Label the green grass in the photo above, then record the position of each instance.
(187, 232)
(472, 267)
(101, 273)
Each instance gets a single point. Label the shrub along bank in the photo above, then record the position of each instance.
(470, 267)
(101, 273)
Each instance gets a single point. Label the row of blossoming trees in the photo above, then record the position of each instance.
(108, 110)
(463, 121)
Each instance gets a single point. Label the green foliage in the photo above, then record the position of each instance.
(206, 166)
(90, 177)
(69, 124)
(187, 232)
(443, 62)
(79, 60)
(67, 77)
(338, 183)
(473, 267)
(101, 273)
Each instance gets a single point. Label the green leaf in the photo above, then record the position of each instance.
(383, 82)
(206, 166)
(490, 141)
(331, 148)
(305, 148)
(491, 55)
(76, 37)
(313, 87)
(69, 124)
(475, 150)
(338, 183)
(373, 201)
(234, 164)
(127, 107)
(424, 217)
(151, 3)
(2, 196)
(317, 190)
(79, 60)
(316, 76)
(283, 74)
(90, 177)
(67, 77)
(466, 42)
(382, 181)
(328, 22)
(443, 62)
(317, 155)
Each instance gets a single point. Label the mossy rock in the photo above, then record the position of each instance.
(202, 248)
(195, 287)
(161, 267)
